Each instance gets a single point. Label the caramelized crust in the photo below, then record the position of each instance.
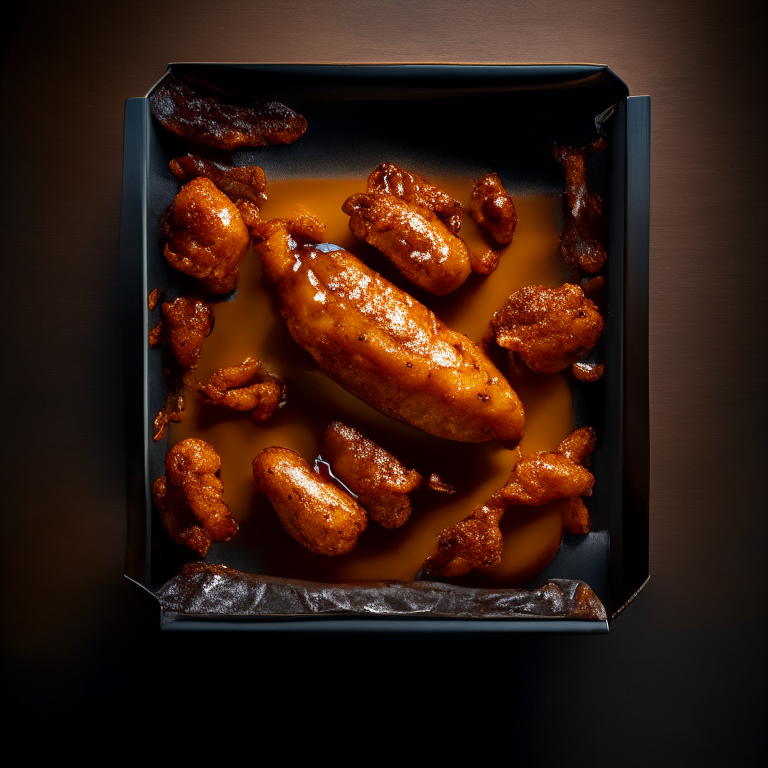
(550, 328)
(207, 238)
(191, 466)
(245, 387)
(474, 543)
(246, 182)
(186, 323)
(318, 514)
(204, 120)
(420, 246)
(380, 481)
(492, 208)
(389, 179)
(177, 517)
(384, 346)
(576, 517)
(580, 249)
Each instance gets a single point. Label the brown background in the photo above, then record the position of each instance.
(681, 675)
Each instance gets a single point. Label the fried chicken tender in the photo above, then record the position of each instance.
(544, 476)
(492, 208)
(247, 182)
(580, 249)
(414, 239)
(177, 517)
(245, 387)
(389, 179)
(475, 543)
(318, 514)
(191, 466)
(550, 328)
(205, 120)
(207, 237)
(380, 481)
(186, 324)
(385, 347)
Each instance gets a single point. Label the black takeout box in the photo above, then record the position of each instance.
(454, 118)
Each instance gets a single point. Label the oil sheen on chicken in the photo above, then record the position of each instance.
(384, 346)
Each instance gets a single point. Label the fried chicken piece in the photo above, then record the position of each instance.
(245, 387)
(474, 543)
(492, 208)
(246, 182)
(389, 179)
(385, 347)
(576, 517)
(550, 328)
(207, 237)
(318, 514)
(419, 245)
(579, 247)
(588, 371)
(171, 413)
(177, 517)
(380, 481)
(186, 324)
(153, 298)
(436, 483)
(191, 466)
(544, 476)
(205, 120)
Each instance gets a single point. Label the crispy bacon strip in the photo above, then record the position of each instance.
(204, 120)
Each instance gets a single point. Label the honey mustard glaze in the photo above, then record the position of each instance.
(251, 325)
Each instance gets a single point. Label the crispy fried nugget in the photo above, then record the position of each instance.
(245, 387)
(492, 208)
(380, 481)
(550, 328)
(186, 324)
(177, 517)
(246, 182)
(385, 347)
(191, 466)
(205, 120)
(414, 239)
(207, 238)
(390, 179)
(318, 514)
(474, 543)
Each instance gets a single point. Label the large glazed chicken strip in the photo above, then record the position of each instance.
(384, 346)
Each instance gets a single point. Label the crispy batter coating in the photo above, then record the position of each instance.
(492, 208)
(191, 466)
(204, 120)
(177, 517)
(414, 239)
(384, 346)
(550, 328)
(207, 237)
(245, 387)
(576, 517)
(436, 483)
(174, 405)
(317, 513)
(588, 371)
(390, 179)
(580, 249)
(380, 481)
(474, 543)
(246, 182)
(484, 263)
(544, 476)
(186, 324)
(153, 298)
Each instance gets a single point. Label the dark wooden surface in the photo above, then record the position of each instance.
(680, 678)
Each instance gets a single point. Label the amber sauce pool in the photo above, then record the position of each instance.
(250, 325)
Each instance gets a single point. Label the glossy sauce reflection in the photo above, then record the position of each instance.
(251, 325)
